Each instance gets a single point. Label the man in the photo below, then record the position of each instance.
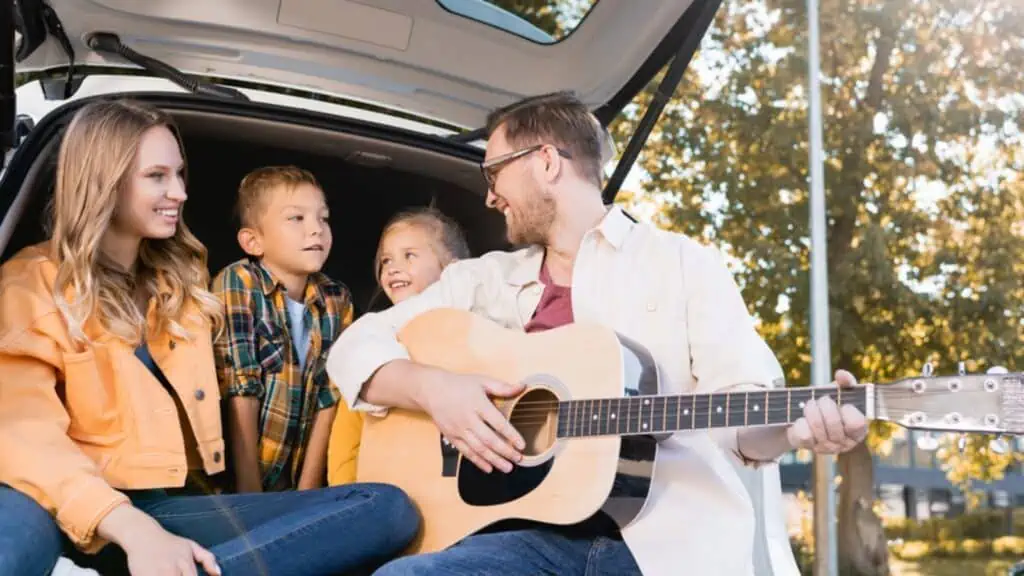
(588, 262)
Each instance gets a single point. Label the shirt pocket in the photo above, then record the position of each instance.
(92, 399)
(270, 346)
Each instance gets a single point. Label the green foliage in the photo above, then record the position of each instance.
(986, 525)
(925, 190)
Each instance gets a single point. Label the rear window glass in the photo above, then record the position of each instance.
(543, 21)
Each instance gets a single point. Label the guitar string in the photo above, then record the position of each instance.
(705, 399)
(660, 415)
(794, 392)
(893, 416)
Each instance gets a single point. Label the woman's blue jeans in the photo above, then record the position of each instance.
(326, 531)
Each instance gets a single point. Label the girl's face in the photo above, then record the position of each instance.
(408, 263)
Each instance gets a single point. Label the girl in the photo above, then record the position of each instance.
(108, 394)
(414, 248)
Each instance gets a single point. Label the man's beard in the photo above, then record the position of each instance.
(531, 225)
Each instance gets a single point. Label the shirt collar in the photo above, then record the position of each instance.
(269, 283)
(614, 227)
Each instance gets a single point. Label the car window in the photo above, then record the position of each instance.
(543, 21)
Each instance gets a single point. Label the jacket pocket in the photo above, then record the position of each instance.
(92, 400)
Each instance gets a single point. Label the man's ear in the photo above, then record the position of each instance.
(554, 164)
(251, 242)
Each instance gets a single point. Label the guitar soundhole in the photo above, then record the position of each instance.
(535, 416)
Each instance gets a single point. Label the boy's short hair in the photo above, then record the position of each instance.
(448, 241)
(258, 184)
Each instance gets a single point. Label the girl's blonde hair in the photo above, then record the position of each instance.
(447, 240)
(96, 161)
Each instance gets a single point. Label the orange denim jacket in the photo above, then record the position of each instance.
(77, 425)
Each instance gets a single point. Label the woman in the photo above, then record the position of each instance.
(108, 394)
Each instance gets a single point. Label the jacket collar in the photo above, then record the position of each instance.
(614, 228)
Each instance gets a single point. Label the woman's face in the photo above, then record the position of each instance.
(408, 263)
(151, 200)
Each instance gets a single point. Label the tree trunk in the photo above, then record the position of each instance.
(862, 543)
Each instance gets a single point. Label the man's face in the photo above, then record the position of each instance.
(518, 191)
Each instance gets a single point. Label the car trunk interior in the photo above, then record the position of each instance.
(366, 181)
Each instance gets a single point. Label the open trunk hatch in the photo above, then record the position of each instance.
(449, 60)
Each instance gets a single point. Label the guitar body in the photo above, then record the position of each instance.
(561, 480)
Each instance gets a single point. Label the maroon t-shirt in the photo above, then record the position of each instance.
(555, 307)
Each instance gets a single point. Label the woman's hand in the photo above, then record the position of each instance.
(151, 550)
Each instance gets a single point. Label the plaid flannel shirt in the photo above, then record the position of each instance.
(255, 357)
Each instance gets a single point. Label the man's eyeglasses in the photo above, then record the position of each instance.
(490, 168)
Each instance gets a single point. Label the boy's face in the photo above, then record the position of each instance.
(408, 263)
(293, 236)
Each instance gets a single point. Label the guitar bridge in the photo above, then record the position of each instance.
(1013, 404)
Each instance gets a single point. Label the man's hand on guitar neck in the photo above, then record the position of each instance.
(459, 404)
(824, 428)
(827, 428)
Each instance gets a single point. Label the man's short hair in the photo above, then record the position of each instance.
(559, 119)
(258, 185)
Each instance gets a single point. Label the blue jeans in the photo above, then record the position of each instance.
(522, 553)
(327, 531)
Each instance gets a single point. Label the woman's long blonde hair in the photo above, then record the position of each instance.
(96, 160)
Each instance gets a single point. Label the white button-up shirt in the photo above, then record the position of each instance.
(675, 297)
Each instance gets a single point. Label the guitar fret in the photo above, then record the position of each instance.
(746, 408)
(702, 411)
(679, 404)
(727, 398)
(693, 412)
(672, 418)
(658, 414)
(777, 407)
(797, 402)
(603, 425)
(664, 415)
(716, 410)
(757, 403)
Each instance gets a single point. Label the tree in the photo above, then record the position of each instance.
(922, 104)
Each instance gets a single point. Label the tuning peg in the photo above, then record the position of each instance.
(961, 443)
(999, 445)
(997, 370)
(961, 369)
(926, 370)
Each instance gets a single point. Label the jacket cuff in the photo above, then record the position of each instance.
(350, 367)
(80, 514)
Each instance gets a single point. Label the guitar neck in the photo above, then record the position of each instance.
(673, 413)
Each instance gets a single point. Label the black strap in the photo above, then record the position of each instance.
(143, 354)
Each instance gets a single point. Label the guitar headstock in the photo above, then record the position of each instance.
(989, 403)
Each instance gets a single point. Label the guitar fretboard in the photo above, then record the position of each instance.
(662, 414)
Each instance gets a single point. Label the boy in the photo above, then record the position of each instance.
(281, 315)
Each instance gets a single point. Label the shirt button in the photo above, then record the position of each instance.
(537, 289)
(651, 306)
(216, 456)
(200, 394)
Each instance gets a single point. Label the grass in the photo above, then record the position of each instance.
(949, 567)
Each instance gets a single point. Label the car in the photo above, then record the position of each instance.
(383, 100)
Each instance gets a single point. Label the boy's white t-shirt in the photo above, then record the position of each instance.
(300, 332)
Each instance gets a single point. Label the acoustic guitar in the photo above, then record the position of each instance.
(592, 414)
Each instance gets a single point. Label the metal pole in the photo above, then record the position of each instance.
(825, 549)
